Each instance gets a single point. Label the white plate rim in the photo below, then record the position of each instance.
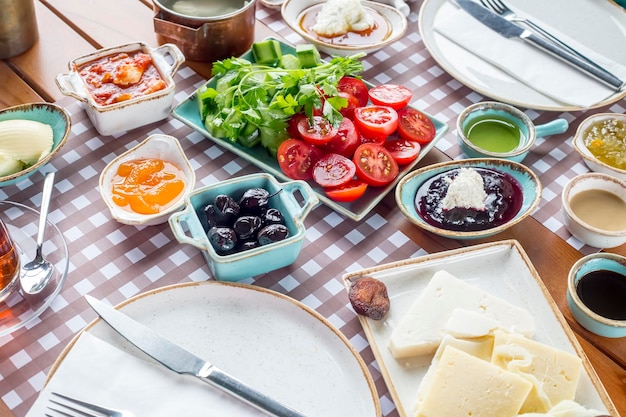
(299, 309)
(436, 261)
(427, 13)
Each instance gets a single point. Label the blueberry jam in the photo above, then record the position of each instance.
(504, 200)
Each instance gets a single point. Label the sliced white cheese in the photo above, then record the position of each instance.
(463, 385)
(553, 373)
(567, 409)
(480, 348)
(469, 324)
(420, 331)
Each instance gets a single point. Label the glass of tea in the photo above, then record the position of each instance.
(9, 263)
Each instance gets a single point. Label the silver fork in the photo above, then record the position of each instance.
(503, 10)
(72, 407)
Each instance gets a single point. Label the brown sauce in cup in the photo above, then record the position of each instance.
(604, 292)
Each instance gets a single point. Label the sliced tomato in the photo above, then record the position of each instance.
(319, 133)
(402, 150)
(296, 158)
(333, 170)
(292, 125)
(392, 95)
(350, 191)
(355, 87)
(353, 103)
(345, 141)
(415, 125)
(375, 164)
(376, 122)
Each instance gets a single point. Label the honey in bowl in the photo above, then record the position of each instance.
(380, 32)
(147, 186)
(494, 133)
(606, 140)
(600, 209)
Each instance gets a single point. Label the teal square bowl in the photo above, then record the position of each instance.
(295, 201)
(47, 113)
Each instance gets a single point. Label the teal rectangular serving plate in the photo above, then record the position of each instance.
(187, 112)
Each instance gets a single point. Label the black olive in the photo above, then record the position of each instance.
(247, 226)
(273, 216)
(227, 207)
(223, 239)
(254, 200)
(272, 233)
(210, 217)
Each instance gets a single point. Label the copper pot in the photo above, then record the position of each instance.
(205, 38)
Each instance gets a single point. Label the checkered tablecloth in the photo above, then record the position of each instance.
(114, 261)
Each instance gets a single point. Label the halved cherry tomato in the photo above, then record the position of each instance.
(355, 87)
(402, 150)
(392, 95)
(353, 103)
(296, 158)
(415, 125)
(345, 141)
(333, 170)
(376, 122)
(292, 125)
(347, 192)
(375, 164)
(319, 133)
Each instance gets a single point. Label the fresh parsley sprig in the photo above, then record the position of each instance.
(252, 103)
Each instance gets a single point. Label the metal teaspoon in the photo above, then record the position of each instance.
(34, 275)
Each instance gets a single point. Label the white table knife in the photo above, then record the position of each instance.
(182, 361)
(510, 30)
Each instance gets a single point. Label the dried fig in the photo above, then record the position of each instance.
(368, 297)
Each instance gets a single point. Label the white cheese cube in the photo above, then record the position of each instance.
(468, 324)
(462, 385)
(553, 373)
(420, 331)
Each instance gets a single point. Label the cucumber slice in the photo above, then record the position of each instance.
(308, 55)
(267, 52)
(290, 61)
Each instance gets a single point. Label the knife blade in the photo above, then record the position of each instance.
(182, 361)
(510, 30)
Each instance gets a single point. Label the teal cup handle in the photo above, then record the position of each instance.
(554, 127)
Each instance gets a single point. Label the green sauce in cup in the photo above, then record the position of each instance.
(494, 133)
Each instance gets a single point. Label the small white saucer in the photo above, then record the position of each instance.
(18, 309)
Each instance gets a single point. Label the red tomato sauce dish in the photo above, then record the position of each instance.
(121, 77)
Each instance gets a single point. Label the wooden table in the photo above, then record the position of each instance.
(70, 28)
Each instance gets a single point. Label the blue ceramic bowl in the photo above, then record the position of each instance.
(587, 318)
(408, 186)
(529, 131)
(47, 113)
(295, 201)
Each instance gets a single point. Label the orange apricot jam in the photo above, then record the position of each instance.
(147, 186)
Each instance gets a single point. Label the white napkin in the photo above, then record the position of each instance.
(98, 372)
(526, 63)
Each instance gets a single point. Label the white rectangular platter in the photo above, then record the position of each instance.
(500, 268)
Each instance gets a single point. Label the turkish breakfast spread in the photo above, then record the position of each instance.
(469, 199)
(23, 143)
(483, 358)
(606, 140)
(147, 186)
(121, 77)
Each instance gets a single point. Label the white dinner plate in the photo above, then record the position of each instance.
(500, 268)
(260, 336)
(597, 24)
